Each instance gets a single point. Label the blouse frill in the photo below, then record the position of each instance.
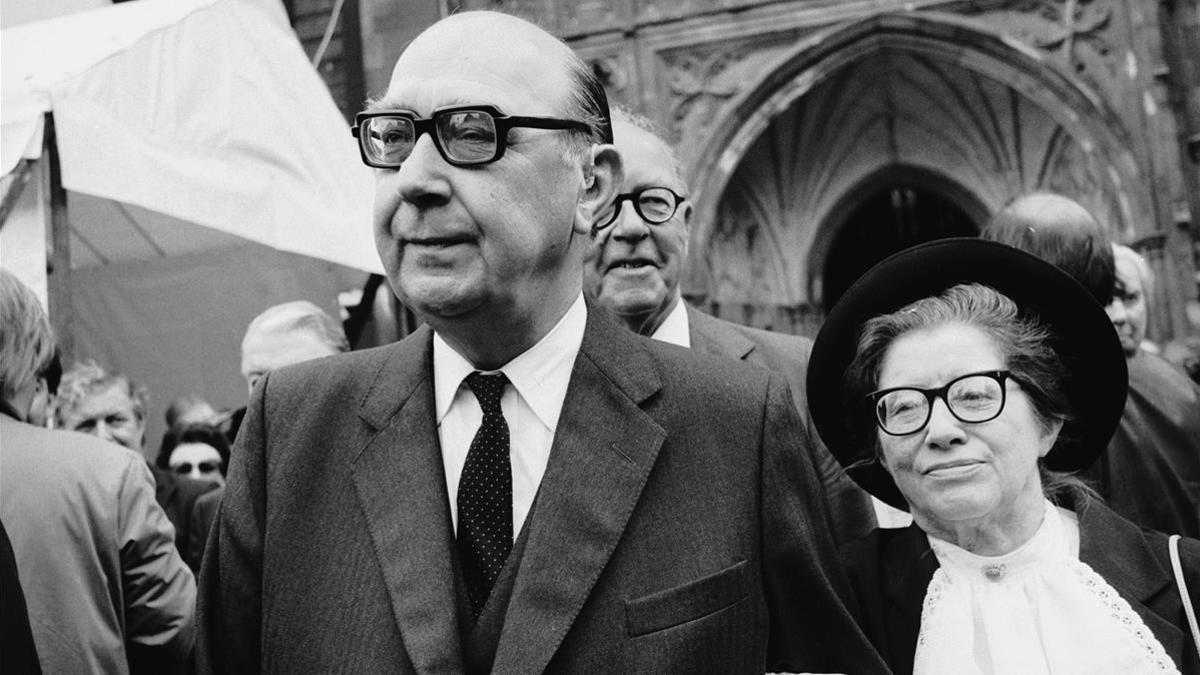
(1036, 610)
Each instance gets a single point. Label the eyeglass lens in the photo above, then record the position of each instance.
(656, 205)
(468, 135)
(389, 140)
(975, 398)
(464, 135)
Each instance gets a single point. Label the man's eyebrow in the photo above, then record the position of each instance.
(378, 104)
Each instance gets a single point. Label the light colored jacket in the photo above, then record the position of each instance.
(107, 591)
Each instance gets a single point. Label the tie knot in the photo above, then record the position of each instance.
(487, 389)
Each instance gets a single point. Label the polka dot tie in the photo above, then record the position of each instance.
(485, 494)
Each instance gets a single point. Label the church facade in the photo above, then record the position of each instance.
(819, 136)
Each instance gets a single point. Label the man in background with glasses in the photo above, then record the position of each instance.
(634, 267)
(521, 485)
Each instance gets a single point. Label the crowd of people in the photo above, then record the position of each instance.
(980, 464)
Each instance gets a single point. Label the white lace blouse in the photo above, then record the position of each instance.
(1036, 610)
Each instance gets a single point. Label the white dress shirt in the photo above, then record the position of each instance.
(531, 407)
(674, 328)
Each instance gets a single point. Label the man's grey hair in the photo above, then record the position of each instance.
(624, 115)
(298, 316)
(86, 379)
(1145, 274)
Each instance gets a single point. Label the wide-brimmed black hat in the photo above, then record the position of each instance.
(1097, 378)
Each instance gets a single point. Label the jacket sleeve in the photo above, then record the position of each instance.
(159, 590)
(812, 624)
(229, 634)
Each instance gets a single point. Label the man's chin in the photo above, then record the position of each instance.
(637, 304)
(438, 299)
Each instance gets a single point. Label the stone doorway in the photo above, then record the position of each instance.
(893, 218)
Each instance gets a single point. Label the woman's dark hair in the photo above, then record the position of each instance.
(1025, 344)
(182, 434)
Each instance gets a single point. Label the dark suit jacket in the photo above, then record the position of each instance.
(670, 533)
(1150, 472)
(204, 513)
(891, 569)
(177, 496)
(851, 515)
(19, 654)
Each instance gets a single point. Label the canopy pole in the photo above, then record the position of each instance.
(58, 258)
(12, 192)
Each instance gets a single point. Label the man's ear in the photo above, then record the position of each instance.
(600, 187)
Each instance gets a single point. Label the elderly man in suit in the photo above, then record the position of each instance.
(634, 267)
(521, 485)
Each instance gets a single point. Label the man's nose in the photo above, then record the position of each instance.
(944, 429)
(1117, 312)
(422, 176)
(629, 226)
(104, 430)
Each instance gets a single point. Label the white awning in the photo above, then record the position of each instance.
(184, 113)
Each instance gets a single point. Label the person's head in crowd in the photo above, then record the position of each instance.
(482, 220)
(195, 450)
(1061, 231)
(1128, 310)
(963, 380)
(189, 409)
(107, 405)
(289, 333)
(635, 263)
(27, 352)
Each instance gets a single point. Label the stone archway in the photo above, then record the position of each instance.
(979, 116)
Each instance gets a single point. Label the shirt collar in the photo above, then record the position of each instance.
(540, 374)
(674, 328)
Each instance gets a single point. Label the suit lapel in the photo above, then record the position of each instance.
(401, 489)
(604, 448)
(715, 337)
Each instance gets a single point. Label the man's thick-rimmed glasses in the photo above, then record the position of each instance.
(655, 205)
(465, 136)
(971, 398)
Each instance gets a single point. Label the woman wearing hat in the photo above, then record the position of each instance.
(964, 381)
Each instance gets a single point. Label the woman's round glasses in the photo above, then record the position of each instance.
(972, 398)
(655, 205)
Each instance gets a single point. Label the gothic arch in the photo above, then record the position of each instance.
(1087, 131)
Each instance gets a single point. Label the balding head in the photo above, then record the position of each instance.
(482, 44)
(1060, 231)
(286, 334)
(487, 250)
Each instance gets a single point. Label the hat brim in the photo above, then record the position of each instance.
(1097, 377)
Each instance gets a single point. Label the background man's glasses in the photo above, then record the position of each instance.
(972, 398)
(465, 136)
(655, 205)
(185, 468)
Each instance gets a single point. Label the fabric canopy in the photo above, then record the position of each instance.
(203, 111)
